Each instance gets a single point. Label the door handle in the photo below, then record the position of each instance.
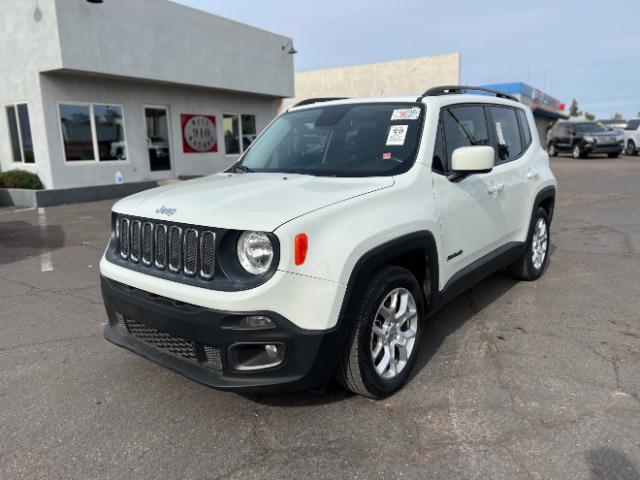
(495, 188)
(532, 174)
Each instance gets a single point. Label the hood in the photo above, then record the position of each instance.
(247, 201)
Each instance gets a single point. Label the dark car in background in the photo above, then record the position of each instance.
(582, 139)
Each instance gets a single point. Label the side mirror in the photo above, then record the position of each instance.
(468, 160)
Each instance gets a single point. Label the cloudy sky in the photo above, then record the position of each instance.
(588, 50)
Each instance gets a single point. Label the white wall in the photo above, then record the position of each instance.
(28, 41)
(398, 77)
(165, 41)
(132, 95)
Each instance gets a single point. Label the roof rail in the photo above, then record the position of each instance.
(309, 101)
(460, 89)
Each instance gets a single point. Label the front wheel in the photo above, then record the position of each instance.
(613, 155)
(535, 258)
(552, 150)
(385, 338)
(577, 151)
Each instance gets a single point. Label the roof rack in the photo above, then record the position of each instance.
(460, 89)
(310, 101)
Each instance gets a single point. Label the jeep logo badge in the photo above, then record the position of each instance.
(166, 211)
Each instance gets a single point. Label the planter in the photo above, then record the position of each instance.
(20, 197)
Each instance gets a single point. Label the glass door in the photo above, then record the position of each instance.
(158, 143)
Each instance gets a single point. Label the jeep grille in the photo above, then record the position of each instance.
(186, 251)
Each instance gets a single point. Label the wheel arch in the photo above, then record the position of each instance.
(417, 252)
(545, 198)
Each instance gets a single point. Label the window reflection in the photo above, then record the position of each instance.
(231, 134)
(109, 132)
(76, 132)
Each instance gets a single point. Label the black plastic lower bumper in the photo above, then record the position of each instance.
(610, 148)
(182, 337)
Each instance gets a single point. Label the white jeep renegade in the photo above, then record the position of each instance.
(322, 252)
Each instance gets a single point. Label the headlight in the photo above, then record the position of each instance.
(255, 252)
(589, 139)
(620, 138)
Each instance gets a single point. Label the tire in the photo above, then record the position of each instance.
(613, 155)
(577, 151)
(552, 150)
(362, 371)
(525, 268)
(631, 148)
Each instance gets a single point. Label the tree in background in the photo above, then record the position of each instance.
(618, 116)
(589, 116)
(574, 111)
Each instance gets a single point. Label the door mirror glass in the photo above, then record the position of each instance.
(474, 159)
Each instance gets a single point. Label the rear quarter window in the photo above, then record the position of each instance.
(524, 128)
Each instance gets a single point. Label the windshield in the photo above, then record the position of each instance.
(592, 127)
(352, 140)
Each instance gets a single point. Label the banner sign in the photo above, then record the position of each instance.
(199, 133)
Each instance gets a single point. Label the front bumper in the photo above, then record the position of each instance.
(603, 148)
(190, 340)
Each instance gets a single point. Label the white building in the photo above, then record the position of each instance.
(397, 77)
(132, 90)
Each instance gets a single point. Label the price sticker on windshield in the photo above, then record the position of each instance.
(397, 134)
(406, 114)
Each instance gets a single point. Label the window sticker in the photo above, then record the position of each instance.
(397, 134)
(386, 156)
(406, 114)
(500, 133)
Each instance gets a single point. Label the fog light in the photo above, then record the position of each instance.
(255, 356)
(256, 322)
(272, 351)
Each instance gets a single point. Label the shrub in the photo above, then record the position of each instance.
(20, 179)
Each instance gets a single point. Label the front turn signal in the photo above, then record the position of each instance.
(301, 246)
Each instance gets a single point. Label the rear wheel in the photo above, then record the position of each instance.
(535, 258)
(631, 148)
(385, 337)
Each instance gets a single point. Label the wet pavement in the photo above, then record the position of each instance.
(518, 380)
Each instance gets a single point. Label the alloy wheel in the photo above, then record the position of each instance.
(539, 243)
(576, 152)
(394, 332)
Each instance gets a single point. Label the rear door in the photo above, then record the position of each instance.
(472, 217)
(512, 137)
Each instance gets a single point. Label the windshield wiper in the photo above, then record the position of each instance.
(241, 168)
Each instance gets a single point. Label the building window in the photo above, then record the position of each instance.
(249, 130)
(239, 132)
(92, 132)
(20, 133)
(109, 132)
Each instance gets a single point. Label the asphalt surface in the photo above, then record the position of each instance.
(518, 381)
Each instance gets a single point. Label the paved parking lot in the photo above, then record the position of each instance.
(519, 380)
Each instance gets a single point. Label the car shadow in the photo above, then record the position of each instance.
(438, 327)
(20, 240)
(607, 463)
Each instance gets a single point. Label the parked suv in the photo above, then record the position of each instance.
(324, 249)
(631, 135)
(582, 139)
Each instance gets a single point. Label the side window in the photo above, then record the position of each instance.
(505, 125)
(633, 125)
(439, 160)
(524, 127)
(464, 126)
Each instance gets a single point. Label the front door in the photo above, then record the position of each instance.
(158, 141)
(474, 222)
